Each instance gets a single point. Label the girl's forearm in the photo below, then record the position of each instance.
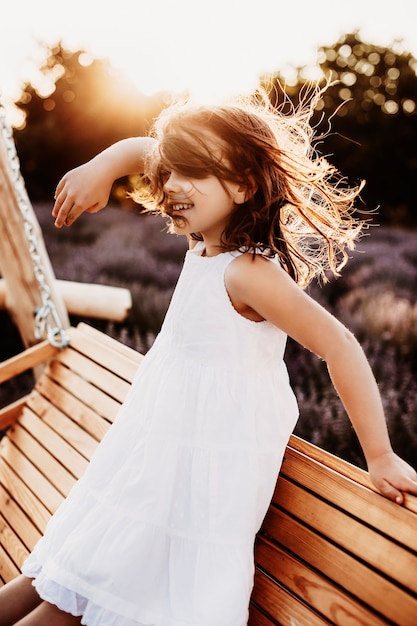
(355, 383)
(126, 156)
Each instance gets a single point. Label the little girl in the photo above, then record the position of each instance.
(160, 530)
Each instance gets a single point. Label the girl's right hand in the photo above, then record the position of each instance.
(85, 189)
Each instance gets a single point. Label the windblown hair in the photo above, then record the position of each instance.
(300, 210)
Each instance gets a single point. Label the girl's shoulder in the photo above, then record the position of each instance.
(249, 264)
(252, 276)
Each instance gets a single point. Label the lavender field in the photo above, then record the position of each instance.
(375, 298)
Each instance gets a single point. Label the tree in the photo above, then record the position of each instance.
(372, 105)
(87, 107)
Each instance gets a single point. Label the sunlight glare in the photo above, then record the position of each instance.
(211, 50)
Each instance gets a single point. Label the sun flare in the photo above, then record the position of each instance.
(210, 50)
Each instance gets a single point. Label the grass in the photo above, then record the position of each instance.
(375, 298)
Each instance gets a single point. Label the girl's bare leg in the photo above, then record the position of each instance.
(17, 599)
(48, 615)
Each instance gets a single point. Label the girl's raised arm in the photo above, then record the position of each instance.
(87, 187)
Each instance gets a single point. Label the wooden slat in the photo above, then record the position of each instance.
(39, 514)
(68, 416)
(18, 520)
(344, 468)
(282, 605)
(38, 484)
(357, 500)
(42, 459)
(100, 352)
(70, 458)
(330, 460)
(103, 379)
(8, 569)
(112, 344)
(96, 398)
(258, 618)
(381, 553)
(340, 566)
(314, 589)
(69, 430)
(12, 544)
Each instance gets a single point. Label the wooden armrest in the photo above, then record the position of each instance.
(26, 360)
(10, 413)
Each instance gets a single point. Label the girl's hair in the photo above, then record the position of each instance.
(298, 206)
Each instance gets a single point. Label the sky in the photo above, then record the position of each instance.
(213, 49)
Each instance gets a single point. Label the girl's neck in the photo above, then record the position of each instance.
(212, 246)
(210, 250)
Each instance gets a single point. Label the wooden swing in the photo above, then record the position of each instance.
(331, 550)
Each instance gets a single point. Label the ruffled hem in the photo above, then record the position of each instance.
(74, 603)
(93, 614)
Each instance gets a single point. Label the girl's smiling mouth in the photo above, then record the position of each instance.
(181, 206)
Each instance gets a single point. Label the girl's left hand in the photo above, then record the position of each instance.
(392, 476)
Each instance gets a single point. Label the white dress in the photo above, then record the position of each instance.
(160, 530)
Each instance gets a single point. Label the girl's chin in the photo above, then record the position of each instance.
(179, 226)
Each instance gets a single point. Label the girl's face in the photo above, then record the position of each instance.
(202, 205)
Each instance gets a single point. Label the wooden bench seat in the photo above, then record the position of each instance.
(331, 550)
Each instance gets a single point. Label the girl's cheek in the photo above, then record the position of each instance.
(188, 188)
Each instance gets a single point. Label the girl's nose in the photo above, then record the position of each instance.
(172, 184)
(177, 184)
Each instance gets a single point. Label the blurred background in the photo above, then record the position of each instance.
(74, 82)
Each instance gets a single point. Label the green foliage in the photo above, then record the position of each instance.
(371, 108)
(88, 106)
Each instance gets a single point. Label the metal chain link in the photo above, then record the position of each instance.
(47, 322)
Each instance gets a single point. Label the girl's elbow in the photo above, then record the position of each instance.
(342, 343)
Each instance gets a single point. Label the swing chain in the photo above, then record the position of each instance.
(47, 320)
